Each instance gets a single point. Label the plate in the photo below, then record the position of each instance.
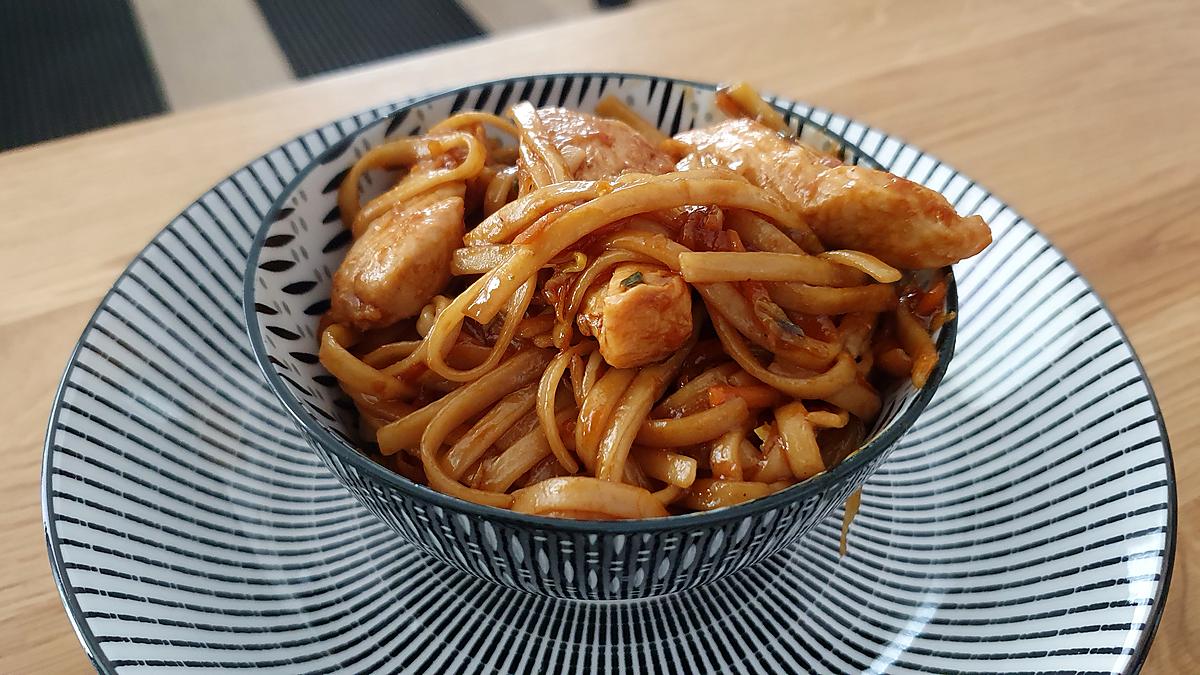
(1026, 523)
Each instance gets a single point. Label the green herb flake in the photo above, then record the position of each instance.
(632, 280)
(790, 328)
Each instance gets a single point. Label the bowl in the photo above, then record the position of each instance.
(287, 283)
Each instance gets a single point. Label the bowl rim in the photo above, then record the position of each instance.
(345, 452)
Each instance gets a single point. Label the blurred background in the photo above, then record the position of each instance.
(68, 66)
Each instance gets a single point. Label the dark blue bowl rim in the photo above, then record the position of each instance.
(349, 454)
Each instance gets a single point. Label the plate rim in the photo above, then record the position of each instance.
(66, 592)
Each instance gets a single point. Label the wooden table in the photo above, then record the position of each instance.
(1082, 115)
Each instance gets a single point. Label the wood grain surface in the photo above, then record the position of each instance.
(1081, 114)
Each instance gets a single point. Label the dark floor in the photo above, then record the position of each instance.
(318, 35)
(71, 65)
(68, 66)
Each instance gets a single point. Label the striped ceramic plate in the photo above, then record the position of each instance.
(1026, 523)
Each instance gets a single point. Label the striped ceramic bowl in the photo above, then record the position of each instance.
(287, 284)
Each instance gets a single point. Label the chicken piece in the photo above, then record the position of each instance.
(642, 315)
(896, 220)
(595, 148)
(760, 155)
(399, 263)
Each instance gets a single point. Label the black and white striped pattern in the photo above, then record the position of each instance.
(1025, 524)
(290, 271)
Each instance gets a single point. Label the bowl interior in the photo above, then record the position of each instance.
(290, 271)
